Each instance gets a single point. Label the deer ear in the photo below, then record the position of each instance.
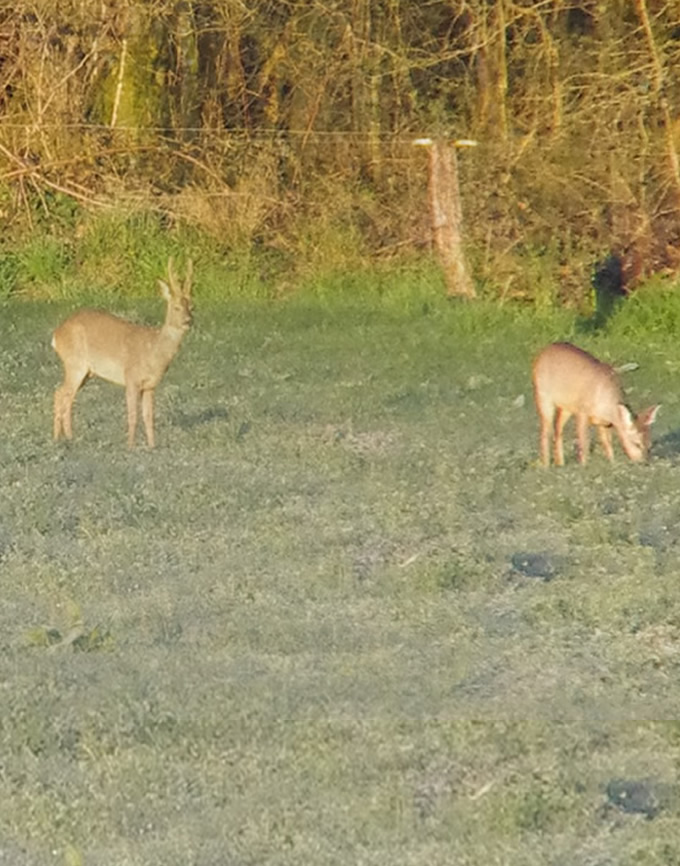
(648, 417)
(165, 289)
(625, 415)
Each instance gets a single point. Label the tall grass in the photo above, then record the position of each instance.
(70, 252)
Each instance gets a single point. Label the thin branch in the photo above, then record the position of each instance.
(659, 82)
(119, 83)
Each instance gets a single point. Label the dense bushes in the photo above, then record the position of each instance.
(281, 132)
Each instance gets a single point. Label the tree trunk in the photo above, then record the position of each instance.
(659, 80)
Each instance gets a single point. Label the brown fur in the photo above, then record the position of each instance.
(94, 343)
(568, 381)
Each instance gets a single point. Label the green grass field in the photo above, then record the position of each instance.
(338, 616)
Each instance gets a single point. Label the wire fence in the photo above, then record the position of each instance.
(97, 163)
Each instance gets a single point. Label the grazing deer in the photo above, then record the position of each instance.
(568, 381)
(94, 343)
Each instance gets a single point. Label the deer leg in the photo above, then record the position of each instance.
(64, 396)
(58, 428)
(132, 399)
(545, 422)
(147, 415)
(561, 418)
(582, 434)
(605, 434)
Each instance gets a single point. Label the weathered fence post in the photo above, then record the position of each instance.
(446, 214)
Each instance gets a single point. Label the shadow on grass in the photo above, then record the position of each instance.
(188, 421)
(210, 415)
(667, 445)
(610, 292)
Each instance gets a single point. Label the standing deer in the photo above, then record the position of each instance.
(94, 343)
(568, 381)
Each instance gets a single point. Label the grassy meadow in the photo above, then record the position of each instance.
(338, 615)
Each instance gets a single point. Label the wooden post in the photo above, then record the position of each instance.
(446, 215)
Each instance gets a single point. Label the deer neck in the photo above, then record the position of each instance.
(168, 339)
(172, 333)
